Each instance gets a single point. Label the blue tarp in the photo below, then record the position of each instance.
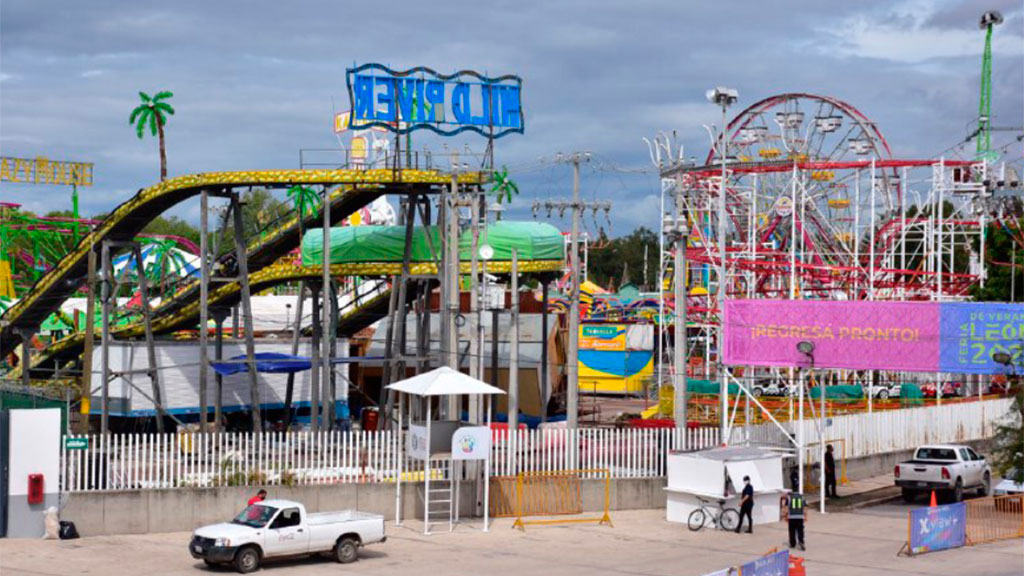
(277, 363)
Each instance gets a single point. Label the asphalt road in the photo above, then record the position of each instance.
(861, 542)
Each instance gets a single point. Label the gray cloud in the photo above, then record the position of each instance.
(256, 81)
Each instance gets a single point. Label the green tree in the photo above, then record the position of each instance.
(153, 112)
(1008, 443)
(610, 261)
(1003, 261)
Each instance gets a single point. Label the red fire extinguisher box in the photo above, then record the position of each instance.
(35, 488)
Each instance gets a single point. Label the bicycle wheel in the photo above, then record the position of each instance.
(730, 519)
(696, 520)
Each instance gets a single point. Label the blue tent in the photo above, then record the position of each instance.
(277, 363)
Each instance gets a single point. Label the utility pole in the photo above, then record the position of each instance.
(204, 295)
(679, 233)
(513, 360)
(90, 336)
(572, 373)
(325, 316)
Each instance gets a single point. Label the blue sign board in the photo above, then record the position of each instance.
(973, 331)
(420, 98)
(776, 564)
(938, 528)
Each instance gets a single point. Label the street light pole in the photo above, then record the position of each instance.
(723, 97)
(572, 370)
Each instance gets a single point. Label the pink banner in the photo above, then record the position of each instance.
(853, 335)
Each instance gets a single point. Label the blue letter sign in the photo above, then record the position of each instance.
(403, 101)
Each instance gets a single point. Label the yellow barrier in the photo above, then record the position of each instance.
(995, 518)
(552, 494)
(812, 449)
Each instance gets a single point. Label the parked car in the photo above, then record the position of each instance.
(886, 391)
(769, 388)
(947, 468)
(1007, 485)
(948, 389)
(282, 528)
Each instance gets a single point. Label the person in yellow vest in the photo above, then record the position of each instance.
(793, 512)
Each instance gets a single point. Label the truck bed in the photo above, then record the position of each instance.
(322, 518)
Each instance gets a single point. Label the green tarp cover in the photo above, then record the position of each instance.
(845, 391)
(353, 244)
(708, 387)
(911, 391)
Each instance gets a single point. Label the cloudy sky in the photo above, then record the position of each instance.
(256, 81)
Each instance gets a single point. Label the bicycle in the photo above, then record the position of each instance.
(724, 518)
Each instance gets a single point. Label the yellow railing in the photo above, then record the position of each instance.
(531, 494)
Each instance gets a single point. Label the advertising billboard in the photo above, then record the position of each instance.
(957, 337)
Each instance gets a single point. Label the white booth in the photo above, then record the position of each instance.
(718, 474)
(445, 440)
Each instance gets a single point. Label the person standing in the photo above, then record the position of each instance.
(793, 513)
(830, 473)
(259, 497)
(747, 506)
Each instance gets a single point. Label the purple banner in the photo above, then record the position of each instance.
(853, 335)
(938, 528)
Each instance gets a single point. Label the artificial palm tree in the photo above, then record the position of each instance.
(153, 111)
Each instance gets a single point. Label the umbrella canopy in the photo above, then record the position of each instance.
(443, 382)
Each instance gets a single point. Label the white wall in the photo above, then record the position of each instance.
(34, 449)
(179, 375)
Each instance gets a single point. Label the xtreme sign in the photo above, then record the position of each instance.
(420, 98)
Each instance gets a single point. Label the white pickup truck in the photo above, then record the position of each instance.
(282, 528)
(947, 468)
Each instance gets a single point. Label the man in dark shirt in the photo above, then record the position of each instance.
(830, 473)
(747, 506)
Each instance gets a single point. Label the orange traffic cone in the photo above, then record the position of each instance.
(933, 503)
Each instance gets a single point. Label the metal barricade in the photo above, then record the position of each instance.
(995, 518)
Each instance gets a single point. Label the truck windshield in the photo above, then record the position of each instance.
(255, 516)
(936, 454)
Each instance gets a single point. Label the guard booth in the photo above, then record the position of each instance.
(457, 442)
(717, 474)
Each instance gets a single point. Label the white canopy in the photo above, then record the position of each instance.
(443, 381)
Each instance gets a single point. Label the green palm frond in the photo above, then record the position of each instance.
(145, 97)
(305, 200)
(162, 95)
(140, 126)
(164, 107)
(136, 112)
(152, 123)
(503, 186)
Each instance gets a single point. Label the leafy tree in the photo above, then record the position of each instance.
(1004, 259)
(1009, 439)
(172, 226)
(613, 258)
(153, 112)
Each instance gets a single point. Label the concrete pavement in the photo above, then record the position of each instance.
(641, 543)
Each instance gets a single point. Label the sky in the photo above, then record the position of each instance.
(254, 82)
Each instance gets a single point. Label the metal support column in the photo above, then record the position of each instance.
(204, 302)
(243, 281)
(147, 319)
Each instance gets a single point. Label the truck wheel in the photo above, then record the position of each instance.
(909, 496)
(986, 485)
(346, 550)
(958, 491)
(247, 560)
(883, 395)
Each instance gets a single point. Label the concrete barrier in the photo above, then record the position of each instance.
(152, 511)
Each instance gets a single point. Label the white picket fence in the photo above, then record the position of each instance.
(161, 461)
(891, 430)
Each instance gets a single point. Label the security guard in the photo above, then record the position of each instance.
(793, 511)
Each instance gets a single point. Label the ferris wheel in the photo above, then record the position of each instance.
(772, 205)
